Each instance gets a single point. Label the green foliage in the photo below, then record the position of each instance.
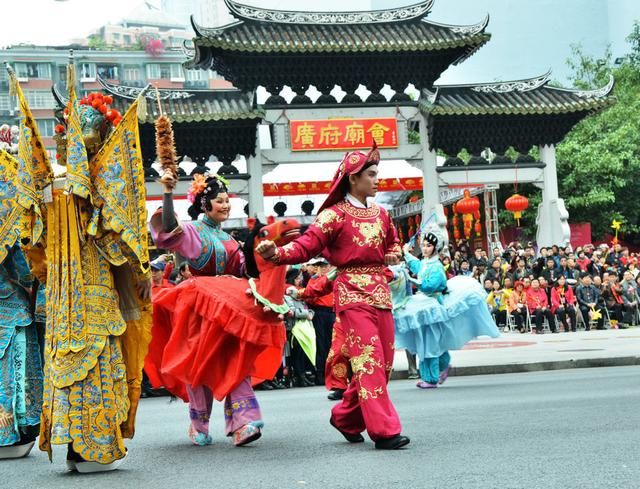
(97, 43)
(599, 160)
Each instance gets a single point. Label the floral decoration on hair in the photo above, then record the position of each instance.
(198, 185)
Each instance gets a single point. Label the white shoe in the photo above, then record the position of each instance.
(94, 467)
(16, 451)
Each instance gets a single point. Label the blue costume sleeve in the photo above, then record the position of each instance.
(413, 263)
(18, 268)
(432, 278)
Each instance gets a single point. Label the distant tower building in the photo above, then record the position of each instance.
(206, 12)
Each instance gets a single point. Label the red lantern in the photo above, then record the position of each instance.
(418, 220)
(59, 129)
(456, 233)
(468, 206)
(517, 204)
(477, 227)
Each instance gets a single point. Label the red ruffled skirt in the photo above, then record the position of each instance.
(207, 331)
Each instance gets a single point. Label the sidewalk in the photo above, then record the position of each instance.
(515, 352)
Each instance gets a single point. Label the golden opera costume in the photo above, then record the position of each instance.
(20, 361)
(88, 231)
(355, 239)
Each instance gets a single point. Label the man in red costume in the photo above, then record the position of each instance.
(360, 240)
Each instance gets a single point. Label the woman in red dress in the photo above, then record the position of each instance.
(209, 251)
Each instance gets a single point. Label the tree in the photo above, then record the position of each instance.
(599, 159)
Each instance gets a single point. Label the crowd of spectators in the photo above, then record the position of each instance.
(557, 286)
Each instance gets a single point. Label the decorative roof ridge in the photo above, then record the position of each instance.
(522, 85)
(132, 93)
(399, 14)
(593, 93)
(469, 30)
(202, 31)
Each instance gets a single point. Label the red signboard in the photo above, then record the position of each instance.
(308, 188)
(343, 134)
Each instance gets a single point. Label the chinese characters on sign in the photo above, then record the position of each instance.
(338, 134)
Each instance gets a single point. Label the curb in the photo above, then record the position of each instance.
(533, 367)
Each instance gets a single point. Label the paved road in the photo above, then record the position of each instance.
(556, 429)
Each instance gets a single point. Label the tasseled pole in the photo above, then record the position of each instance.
(165, 145)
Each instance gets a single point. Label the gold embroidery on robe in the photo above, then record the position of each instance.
(379, 297)
(371, 233)
(364, 364)
(326, 220)
(360, 212)
(359, 280)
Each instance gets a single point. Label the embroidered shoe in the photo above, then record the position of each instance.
(444, 375)
(199, 439)
(246, 434)
(426, 385)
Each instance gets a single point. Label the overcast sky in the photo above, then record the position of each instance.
(54, 22)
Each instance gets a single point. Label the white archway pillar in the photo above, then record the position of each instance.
(256, 193)
(432, 210)
(553, 218)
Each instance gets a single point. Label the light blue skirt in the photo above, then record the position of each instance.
(429, 328)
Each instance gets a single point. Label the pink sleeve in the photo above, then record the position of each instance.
(184, 239)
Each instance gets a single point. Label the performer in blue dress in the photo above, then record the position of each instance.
(20, 365)
(443, 315)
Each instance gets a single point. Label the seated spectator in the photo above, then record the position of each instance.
(612, 296)
(464, 268)
(521, 270)
(517, 305)
(563, 303)
(538, 305)
(488, 285)
(498, 300)
(589, 300)
(613, 258)
(550, 272)
(583, 262)
(496, 272)
(478, 259)
(573, 272)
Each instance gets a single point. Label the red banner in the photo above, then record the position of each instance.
(308, 188)
(339, 134)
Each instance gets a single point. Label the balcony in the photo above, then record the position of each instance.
(199, 84)
(133, 83)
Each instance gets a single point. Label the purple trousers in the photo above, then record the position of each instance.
(240, 407)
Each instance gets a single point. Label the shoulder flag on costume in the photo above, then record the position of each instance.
(10, 211)
(119, 187)
(78, 179)
(34, 170)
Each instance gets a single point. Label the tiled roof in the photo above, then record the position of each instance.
(521, 97)
(184, 105)
(401, 29)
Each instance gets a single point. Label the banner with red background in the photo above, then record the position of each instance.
(343, 134)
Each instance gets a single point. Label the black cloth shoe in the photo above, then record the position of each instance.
(335, 395)
(392, 443)
(622, 326)
(357, 438)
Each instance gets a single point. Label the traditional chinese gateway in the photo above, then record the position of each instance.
(395, 47)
